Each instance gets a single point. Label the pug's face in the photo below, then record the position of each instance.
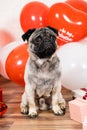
(42, 42)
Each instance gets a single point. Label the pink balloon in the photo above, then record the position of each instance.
(5, 38)
(5, 51)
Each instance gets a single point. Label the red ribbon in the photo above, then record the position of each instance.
(85, 96)
(84, 89)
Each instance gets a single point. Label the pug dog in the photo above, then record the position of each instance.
(42, 73)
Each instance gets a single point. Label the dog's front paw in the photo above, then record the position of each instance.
(32, 113)
(24, 109)
(57, 110)
(63, 106)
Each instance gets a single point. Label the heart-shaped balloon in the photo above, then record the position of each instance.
(73, 58)
(78, 4)
(33, 15)
(71, 22)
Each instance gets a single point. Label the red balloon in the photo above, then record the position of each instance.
(33, 15)
(71, 23)
(78, 4)
(15, 64)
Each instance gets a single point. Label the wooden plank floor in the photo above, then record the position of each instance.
(14, 120)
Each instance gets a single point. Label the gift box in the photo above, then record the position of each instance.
(80, 93)
(85, 123)
(78, 109)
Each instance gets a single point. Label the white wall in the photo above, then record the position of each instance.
(10, 14)
(11, 8)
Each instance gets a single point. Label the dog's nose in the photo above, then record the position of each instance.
(47, 44)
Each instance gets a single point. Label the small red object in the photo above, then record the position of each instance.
(3, 108)
(85, 96)
(0, 95)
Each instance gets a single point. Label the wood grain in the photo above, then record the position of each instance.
(14, 120)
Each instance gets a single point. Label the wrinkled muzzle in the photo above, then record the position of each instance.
(45, 49)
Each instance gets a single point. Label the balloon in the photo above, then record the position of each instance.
(78, 4)
(5, 38)
(33, 15)
(15, 64)
(83, 41)
(5, 51)
(71, 23)
(73, 58)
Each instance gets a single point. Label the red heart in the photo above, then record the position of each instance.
(71, 23)
(3, 108)
(78, 4)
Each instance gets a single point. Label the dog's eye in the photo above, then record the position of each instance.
(38, 39)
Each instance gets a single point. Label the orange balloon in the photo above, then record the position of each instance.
(5, 38)
(33, 15)
(15, 64)
(78, 4)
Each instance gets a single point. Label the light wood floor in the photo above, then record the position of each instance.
(14, 120)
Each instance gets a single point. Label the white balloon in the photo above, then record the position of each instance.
(83, 41)
(4, 52)
(73, 58)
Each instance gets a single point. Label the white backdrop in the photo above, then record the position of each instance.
(11, 8)
(10, 14)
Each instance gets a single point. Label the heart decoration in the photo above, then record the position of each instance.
(78, 4)
(71, 22)
(3, 108)
(33, 15)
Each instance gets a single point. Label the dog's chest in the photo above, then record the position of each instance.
(44, 85)
(44, 77)
(44, 81)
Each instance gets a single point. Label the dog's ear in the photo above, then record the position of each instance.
(53, 29)
(26, 35)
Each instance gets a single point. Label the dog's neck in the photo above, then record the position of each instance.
(41, 61)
